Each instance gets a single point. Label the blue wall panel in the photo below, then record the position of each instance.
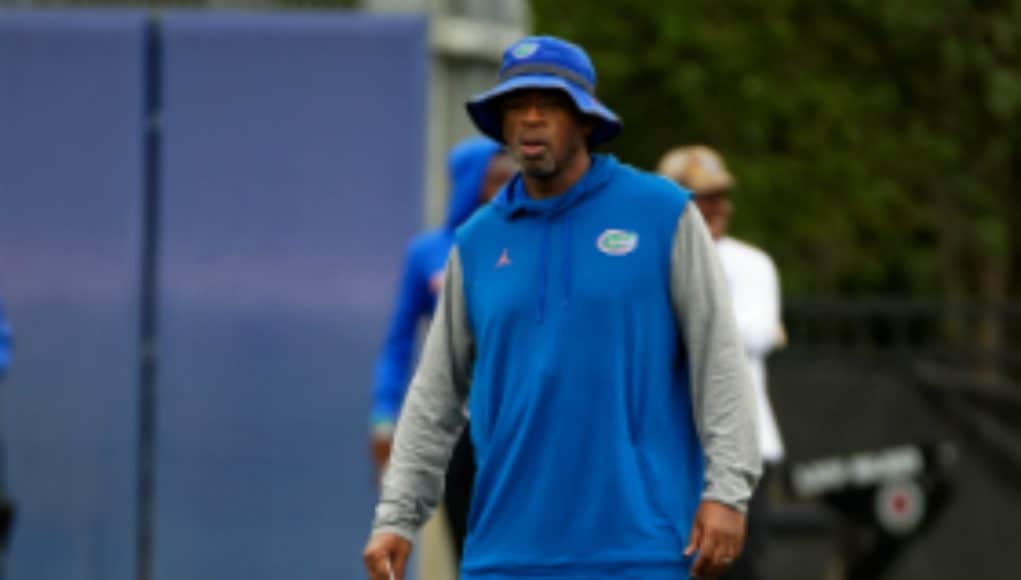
(294, 160)
(70, 202)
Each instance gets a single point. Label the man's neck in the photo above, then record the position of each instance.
(561, 181)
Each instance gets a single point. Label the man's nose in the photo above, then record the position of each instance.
(533, 113)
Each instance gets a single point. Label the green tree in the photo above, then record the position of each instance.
(876, 143)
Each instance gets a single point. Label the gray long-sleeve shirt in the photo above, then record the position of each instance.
(722, 398)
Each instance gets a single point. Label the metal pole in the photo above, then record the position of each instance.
(152, 175)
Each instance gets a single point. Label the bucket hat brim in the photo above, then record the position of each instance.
(487, 117)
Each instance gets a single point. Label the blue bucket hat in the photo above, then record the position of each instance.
(545, 62)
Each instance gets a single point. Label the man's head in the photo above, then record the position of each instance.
(543, 130)
(544, 107)
(701, 170)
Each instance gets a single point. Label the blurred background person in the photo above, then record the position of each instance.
(478, 167)
(755, 292)
(6, 505)
(6, 341)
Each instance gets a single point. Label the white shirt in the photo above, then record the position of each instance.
(755, 293)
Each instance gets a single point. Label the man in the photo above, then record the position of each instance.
(755, 293)
(477, 167)
(612, 416)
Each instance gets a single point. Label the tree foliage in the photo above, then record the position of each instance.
(876, 144)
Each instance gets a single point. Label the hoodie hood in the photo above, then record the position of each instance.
(467, 165)
(513, 201)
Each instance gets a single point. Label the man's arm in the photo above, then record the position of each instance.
(394, 361)
(724, 402)
(431, 421)
(722, 396)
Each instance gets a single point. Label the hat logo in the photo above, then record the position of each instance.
(617, 242)
(525, 49)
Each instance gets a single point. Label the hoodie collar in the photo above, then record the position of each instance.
(513, 201)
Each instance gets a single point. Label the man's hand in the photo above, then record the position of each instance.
(386, 554)
(718, 536)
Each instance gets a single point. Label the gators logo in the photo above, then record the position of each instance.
(617, 242)
(525, 49)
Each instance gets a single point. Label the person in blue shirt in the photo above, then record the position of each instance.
(6, 505)
(5, 343)
(477, 167)
(586, 322)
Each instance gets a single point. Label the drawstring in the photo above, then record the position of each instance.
(565, 235)
(543, 266)
(567, 259)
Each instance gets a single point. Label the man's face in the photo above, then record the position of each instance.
(543, 130)
(716, 209)
(501, 168)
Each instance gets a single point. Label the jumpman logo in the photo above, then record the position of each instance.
(504, 259)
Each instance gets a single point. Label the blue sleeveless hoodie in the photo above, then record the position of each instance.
(589, 465)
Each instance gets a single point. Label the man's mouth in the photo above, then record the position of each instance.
(532, 147)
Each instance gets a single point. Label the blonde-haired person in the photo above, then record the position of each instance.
(755, 294)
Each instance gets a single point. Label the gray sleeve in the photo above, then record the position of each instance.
(721, 389)
(432, 416)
